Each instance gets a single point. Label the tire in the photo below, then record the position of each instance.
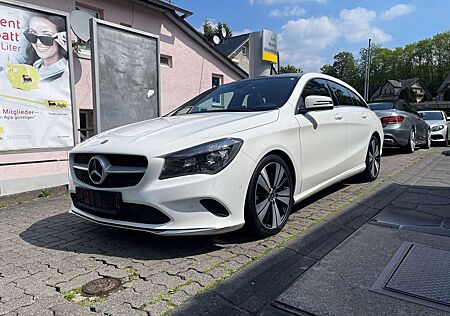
(446, 141)
(427, 144)
(411, 146)
(269, 197)
(373, 160)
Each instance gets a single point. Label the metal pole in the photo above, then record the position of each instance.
(366, 79)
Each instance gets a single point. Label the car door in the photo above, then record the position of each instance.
(359, 131)
(418, 122)
(357, 114)
(322, 138)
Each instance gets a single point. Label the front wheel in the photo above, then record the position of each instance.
(269, 197)
(373, 160)
(427, 144)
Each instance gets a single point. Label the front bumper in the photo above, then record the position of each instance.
(179, 198)
(439, 136)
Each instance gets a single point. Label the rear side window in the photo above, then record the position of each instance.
(314, 87)
(341, 93)
(357, 100)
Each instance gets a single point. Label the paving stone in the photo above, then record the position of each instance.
(48, 251)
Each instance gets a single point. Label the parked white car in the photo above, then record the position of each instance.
(438, 124)
(241, 153)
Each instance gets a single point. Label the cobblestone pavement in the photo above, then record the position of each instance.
(46, 254)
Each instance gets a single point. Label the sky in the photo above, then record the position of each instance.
(311, 32)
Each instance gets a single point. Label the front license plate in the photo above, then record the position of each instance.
(99, 200)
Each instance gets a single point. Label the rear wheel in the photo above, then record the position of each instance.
(373, 160)
(411, 146)
(427, 144)
(269, 197)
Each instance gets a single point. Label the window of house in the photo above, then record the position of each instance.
(244, 50)
(84, 48)
(86, 124)
(165, 61)
(216, 81)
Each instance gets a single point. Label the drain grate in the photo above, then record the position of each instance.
(101, 286)
(419, 274)
(424, 272)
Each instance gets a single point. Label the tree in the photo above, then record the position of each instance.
(290, 69)
(427, 59)
(210, 31)
(345, 68)
(409, 95)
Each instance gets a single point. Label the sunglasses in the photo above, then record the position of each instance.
(45, 40)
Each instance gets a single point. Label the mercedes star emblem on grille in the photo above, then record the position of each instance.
(97, 169)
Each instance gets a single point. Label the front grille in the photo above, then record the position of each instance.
(129, 212)
(435, 137)
(114, 159)
(113, 180)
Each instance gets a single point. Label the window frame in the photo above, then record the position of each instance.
(169, 61)
(300, 106)
(335, 98)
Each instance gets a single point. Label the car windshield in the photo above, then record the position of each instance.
(432, 116)
(260, 94)
(381, 106)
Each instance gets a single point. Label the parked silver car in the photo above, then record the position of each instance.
(402, 124)
(439, 126)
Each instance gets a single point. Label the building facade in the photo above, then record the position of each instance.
(391, 89)
(189, 66)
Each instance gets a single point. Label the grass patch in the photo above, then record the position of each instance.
(45, 193)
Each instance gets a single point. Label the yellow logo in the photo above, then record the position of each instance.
(23, 77)
(57, 104)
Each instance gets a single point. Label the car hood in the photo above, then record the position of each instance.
(171, 133)
(436, 122)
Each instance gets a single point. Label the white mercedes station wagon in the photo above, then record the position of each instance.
(239, 154)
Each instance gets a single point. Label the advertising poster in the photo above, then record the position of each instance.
(35, 96)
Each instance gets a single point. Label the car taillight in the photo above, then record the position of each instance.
(392, 119)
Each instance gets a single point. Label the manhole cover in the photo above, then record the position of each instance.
(424, 273)
(101, 286)
(418, 274)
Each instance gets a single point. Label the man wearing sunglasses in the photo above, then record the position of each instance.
(47, 48)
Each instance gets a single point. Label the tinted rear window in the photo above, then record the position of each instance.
(342, 94)
(381, 106)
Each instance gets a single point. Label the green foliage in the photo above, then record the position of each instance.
(45, 193)
(210, 31)
(428, 60)
(288, 69)
(409, 95)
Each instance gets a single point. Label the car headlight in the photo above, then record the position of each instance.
(209, 158)
(437, 128)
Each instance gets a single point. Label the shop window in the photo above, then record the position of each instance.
(165, 61)
(84, 48)
(86, 124)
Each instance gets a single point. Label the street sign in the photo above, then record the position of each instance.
(269, 46)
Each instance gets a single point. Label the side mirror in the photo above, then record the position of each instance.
(317, 102)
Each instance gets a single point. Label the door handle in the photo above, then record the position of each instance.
(364, 115)
(338, 116)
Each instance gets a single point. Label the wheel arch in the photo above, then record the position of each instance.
(287, 159)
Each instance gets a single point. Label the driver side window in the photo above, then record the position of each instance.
(313, 87)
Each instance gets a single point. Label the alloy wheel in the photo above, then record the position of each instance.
(374, 158)
(272, 195)
(412, 138)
